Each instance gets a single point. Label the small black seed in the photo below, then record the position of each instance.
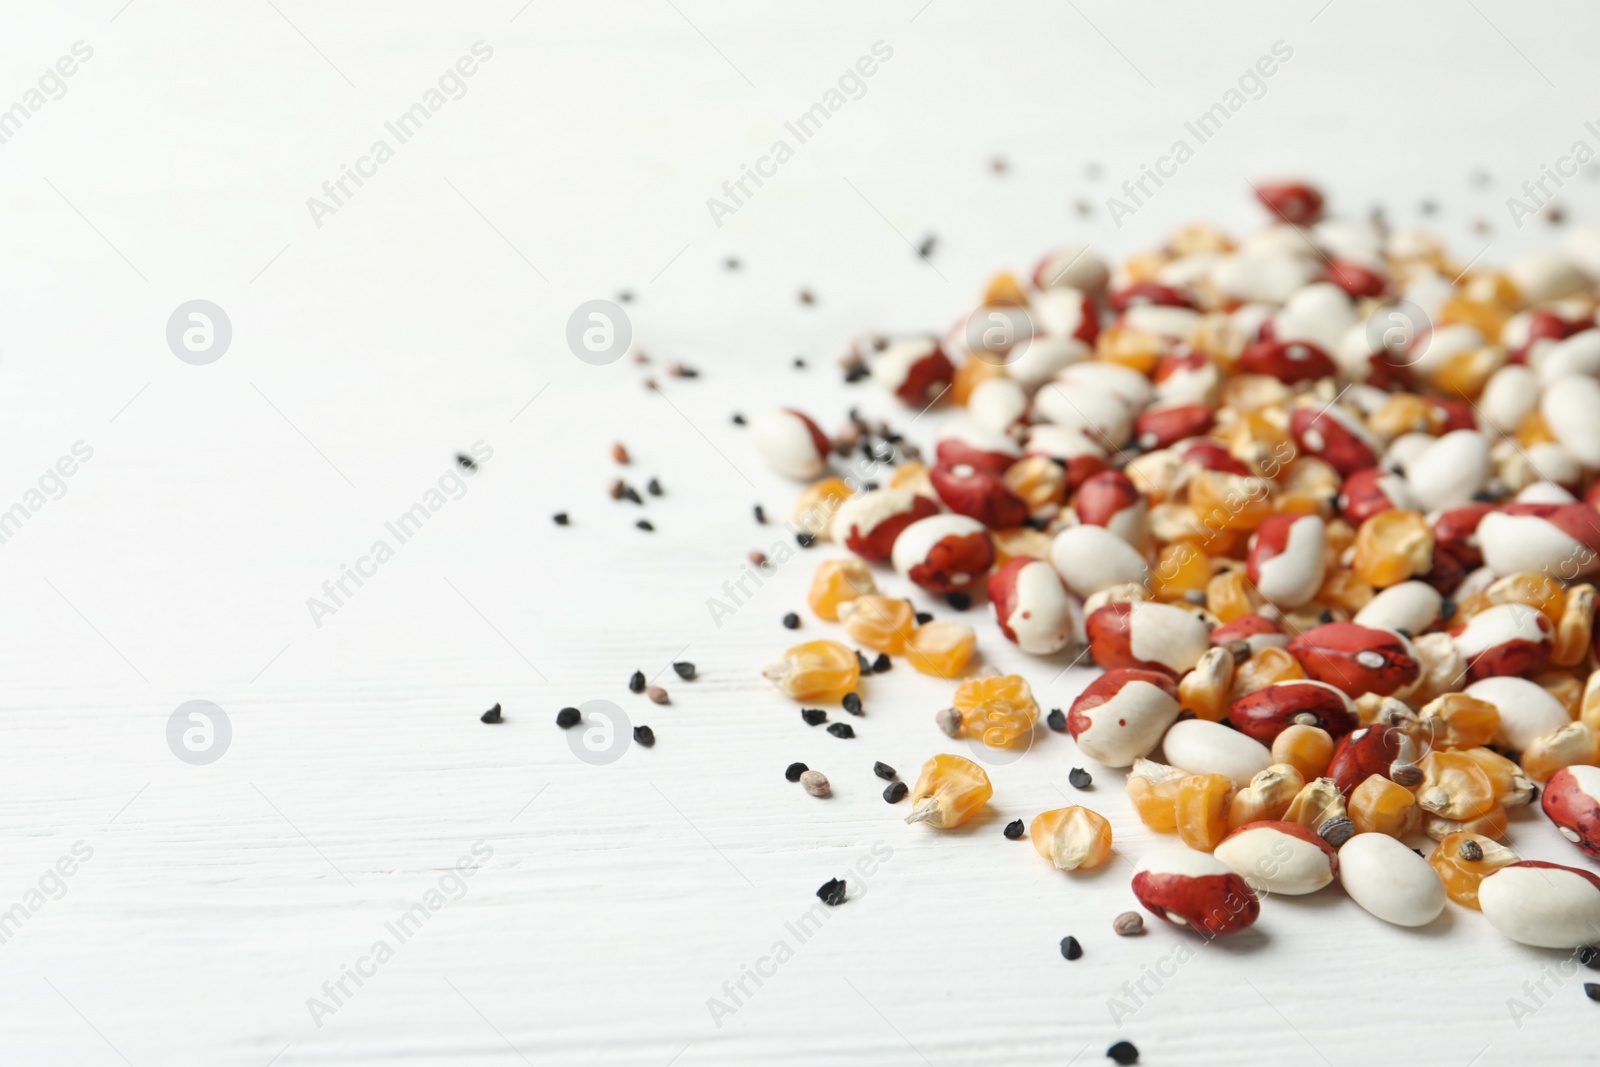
(852, 703)
(896, 792)
(791, 621)
(805, 540)
(631, 494)
(626, 296)
(842, 730)
(636, 682)
(761, 514)
(863, 662)
(807, 297)
(561, 518)
(882, 663)
(1325, 617)
(492, 715)
(738, 419)
(813, 716)
(1589, 957)
(1592, 990)
(466, 462)
(644, 524)
(959, 601)
(884, 771)
(794, 771)
(653, 487)
(799, 363)
(645, 736)
(1447, 609)
(685, 669)
(1070, 947)
(732, 263)
(869, 487)
(1014, 829)
(1056, 720)
(832, 892)
(855, 374)
(929, 243)
(1080, 778)
(567, 718)
(924, 617)
(1418, 851)
(1123, 1053)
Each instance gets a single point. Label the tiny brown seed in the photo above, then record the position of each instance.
(757, 557)
(619, 453)
(657, 694)
(1128, 924)
(815, 783)
(617, 489)
(1406, 774)
(949, 720)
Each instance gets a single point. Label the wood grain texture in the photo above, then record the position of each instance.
(428, 313)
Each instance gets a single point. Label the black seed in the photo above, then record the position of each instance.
(842, 730)
(896, 792)
(1592, 990)
(924, 617)
(1056, 721)
(813, 716)
(805, 540)
(863, 662)
(636, 682)
(492, 715)
(799, 363)
(466, 462)
(645, 736)
(567, 718)
(807, 297)
(625, 296)
(868, 487)
(561, 518)
(884, 771)
(929, 243)
(791, 621)
(684, 668)
(852, 703)
(653, 487)
(1080, 778)
(1589, 957)
(731, 263)
(959, 601)
(794, 771)
(644, 524)
(761, 514)
(738, 419)
(1447, 608)
(1325, 617)
(832, 892)
(629, 493)
(1124, 1053)
(882, 663)
(1070, 947)
(1014, 829)
(856, 374)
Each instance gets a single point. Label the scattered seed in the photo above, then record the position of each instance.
(794, 771)
(738, 419)
(761, 514)
(813, 716)
(731, 263)
(650, 384)
(863, 662)
(682, 370)
(1014, 829)
(1408, 775)
(960, 601)
(1592, 990)
(814, 782)
(1589, 957)
(799, 363)
(1555, 214)
(805, 540)
(626, 296)
(1080, 778)
(1124, 1053)
(1337, 830)
(684, 669)
(1070, 948)
(1128, 924)
(561, 518)
(653, 487)
(640, 358)
(616, 489)
(1471, 851)
(949, 720)
(1428, 207)
(884, 771)
(1056, 720)
(929, 243)
(807, 297)
(492, 715)
(657, 695)
(998, 165)
(631, 494)
(645, 736)
(842, 730)
(791, 621)
(852, 703)
(466, 461)
(895, 792)
(636, 682)
(620, 453)
(567, 718)
(832, 892)
(924, 617)
(645, 525)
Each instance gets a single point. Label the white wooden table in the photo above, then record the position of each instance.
(610, 904)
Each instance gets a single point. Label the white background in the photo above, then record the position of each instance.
(424, 316)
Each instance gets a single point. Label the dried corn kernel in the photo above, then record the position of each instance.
(1463, 860)
(1511, 786)
(1267, 667)
(1227, 501)
(1153, 789)
(1454, 720)
(1206, 688)
(1181, 568)
(1315, 804)
(816, 504)
(1202, 810)
(1020, 541)
(1267, 797)
(1041, 482)
(1130, 348)
(1074, 839)
(1393, 546)
(1000, 711)
(1345, 590)
(949, 791)
(1004, 290)
(942, 649)
(914, 476)
(816, 670)
(836, 581)
(1308, 749)
(1589, 706)
(1492, 825)
(1405, 413)
(968, 376)
(1379, 806)
(1454, 787)
(1534, 430)
(880, 623)
(1538, 591)
(1575, 627)
(1574, 743)
(1565, 687)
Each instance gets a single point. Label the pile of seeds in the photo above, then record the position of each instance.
(1322, 503)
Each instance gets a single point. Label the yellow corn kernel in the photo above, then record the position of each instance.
(1575, 627)
(971, 374)
(1227, 501)
(1153, 789)
(1533, 589)
(1181, 568)
(1393, 546)
(1040, 481)
(1315, 804)
(1454, 720)
(1202, 810)
(1345, 590)
(836, 581)
(1492, 825)
(1466, 373)
(1463, 860)
(1573, 744)
(816, 504)
(1205, 689)
(1512, 788)
(816, 670)
(1379, 806)
(949, 791)
(1229, 595)
(942, 649)
(1074, 839)
(1020, 541)
(1000, 710)
(1589, 705)
(1454, 787)
(1405, 413)
(1565, 687)
(914, 475)
(1267, 797)
(1267, 667)
(1308, 749)
(1533, 430)
(1004, 290)
(880, 623)
(1130, 348)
